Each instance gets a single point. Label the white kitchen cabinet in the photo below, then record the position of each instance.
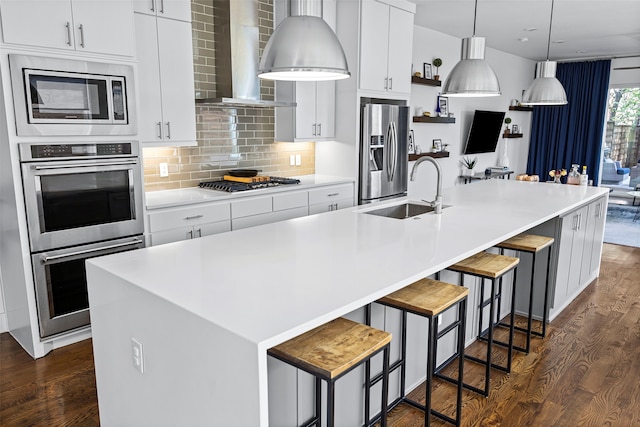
(255, 211)
(595, 219)
(82, 25)
(173, 9)
(386, 41)
(166, 88)
(313, 118)
(182, 223)
(330, 198)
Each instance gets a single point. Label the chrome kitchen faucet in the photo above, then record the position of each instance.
(437, 203)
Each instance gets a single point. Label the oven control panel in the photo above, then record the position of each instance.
(30, 152)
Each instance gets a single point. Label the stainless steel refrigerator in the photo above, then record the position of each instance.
(384, 161)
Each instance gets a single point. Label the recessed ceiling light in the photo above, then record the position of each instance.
(558, 41)
(582, 51)
(523, 39)
(530, 29)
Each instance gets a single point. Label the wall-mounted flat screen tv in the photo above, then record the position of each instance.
(484, 132)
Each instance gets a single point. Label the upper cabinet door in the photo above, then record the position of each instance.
(326, 109)
(150, 103)
(374, 45)
(176, 81)
(400, 48)
(49, 23)
(306, 110)
(173, 9)
(104, 27)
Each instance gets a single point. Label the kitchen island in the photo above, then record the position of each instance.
(207, 310)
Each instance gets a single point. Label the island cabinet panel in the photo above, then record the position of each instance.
(80, 25)
(596, 216)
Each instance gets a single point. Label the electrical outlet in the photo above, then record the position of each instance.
(164, 170)
(138, 356)
(292, 160)
(298, 159)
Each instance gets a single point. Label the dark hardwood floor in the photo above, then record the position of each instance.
(586, 372)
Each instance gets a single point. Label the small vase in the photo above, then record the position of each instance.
(467, 172)
(556, 179)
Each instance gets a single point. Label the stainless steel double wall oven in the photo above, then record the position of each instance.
(82, 200)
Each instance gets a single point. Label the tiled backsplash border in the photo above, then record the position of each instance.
(228, 137)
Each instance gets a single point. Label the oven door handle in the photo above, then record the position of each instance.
(85, 165)
(45, 259)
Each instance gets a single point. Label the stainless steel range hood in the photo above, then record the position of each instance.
(235, 24)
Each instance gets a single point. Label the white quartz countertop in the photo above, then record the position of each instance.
(273, 282)
(189, 196)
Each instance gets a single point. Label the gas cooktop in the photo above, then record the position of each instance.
(232, 186)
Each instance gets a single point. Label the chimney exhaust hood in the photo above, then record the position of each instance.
(236, 34)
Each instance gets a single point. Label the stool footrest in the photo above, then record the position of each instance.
(484, 362)
(474, 389)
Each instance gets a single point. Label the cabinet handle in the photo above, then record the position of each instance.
(579, 221)
(159, 124)
(319, 129)
(386, 82)
(390, 83)
(153, 8)
(190, 234)
(199, 230)
(161, 6)
(313, 132)
(332, 194)
(574, 226)
(193, 217)
(68, 25)
(81, 28)
(168, 130)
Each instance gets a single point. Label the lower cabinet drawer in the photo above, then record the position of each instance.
(286, 201)
(252, 206)
(333, 193)
(252, 221)
(194, 215)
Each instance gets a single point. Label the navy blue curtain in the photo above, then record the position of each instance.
(571, 134)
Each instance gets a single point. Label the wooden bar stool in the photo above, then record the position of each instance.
(492, 267)
(332, 350)
(429, 298)
(531, 243)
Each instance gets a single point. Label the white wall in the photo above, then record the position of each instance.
(514, 74)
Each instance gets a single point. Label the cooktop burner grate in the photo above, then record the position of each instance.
(232, 186)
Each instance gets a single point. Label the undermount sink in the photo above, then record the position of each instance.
(403, 211)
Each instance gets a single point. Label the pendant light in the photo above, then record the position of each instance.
(472, 76)
(546, 89)
(303, 48)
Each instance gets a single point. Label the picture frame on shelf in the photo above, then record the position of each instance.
(515, 128)
(427, 72)
(437, 145)
(443, 103)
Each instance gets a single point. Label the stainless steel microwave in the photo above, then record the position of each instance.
(54, 96)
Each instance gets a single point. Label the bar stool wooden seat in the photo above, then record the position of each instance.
(492, 267)
(531, 243)
(330, 351)
(429, 298)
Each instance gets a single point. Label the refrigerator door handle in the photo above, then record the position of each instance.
(394, 150)
(388, 150)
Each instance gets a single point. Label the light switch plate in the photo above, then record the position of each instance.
(138, 356)
(298, 159)
(292, 160)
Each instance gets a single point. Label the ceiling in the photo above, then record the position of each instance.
(582, 29)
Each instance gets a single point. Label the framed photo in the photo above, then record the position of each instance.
(437, 145)
(515, 129)
(443, 103)
(427, 72)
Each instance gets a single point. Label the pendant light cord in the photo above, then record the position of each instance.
(550, 22)
(475, 13)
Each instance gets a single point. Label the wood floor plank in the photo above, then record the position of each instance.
(586, 372)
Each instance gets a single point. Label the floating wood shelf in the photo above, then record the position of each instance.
(424, 119)
(520, 108)
(512, 135)
(436, 155)
(427, 82)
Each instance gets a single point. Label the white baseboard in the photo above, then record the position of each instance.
(4, 325)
